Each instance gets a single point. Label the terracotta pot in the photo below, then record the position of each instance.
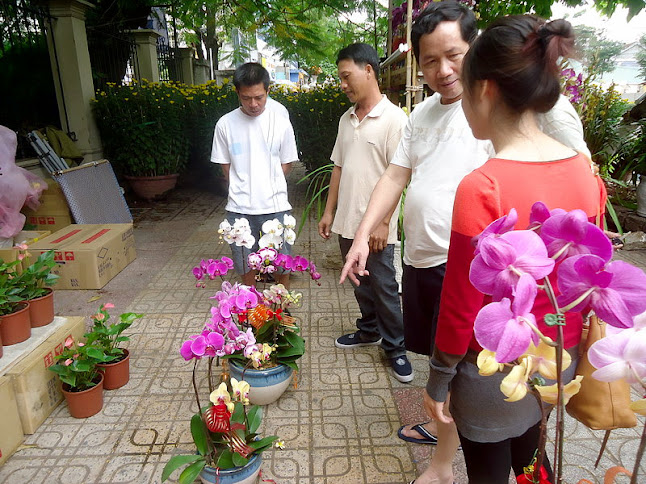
(41, 309)
(16, 327)
(116, 374)
(149, 187)
(266, 385)
(86, 403)
(0, 341)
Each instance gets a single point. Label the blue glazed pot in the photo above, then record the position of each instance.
(246, 474)
(266, 386)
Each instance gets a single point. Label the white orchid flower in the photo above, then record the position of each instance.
(221, 396)
(290, 236)
(270, 240)
(240, 390)
(289, 222)
(273, 227)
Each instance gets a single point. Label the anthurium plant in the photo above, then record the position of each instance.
(558, 250)
(225, 432)
(36, 279)
(108, 336)
(76, 365)
(9, 288)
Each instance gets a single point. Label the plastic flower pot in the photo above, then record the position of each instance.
(266, 385)
(16, 327)
(116, 374)
(41, 309)
(86, 403)
(247, 474)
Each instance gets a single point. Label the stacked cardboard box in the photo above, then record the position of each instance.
(89, 256)
(53, 213)
(29, 392)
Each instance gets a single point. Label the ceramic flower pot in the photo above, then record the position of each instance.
(116, 374)
(16, 327)
(641, 196)
(86, 403)
(247, 474)
(266, 386)
(150, 187)
(41, 309)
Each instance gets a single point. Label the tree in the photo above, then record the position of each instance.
(597, 52)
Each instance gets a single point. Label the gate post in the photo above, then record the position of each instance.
(186, 56)
(146, 45)
(70, 61)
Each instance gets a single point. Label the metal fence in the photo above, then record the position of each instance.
(168, 63)
(113, 56)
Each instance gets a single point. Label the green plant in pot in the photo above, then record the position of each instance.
(35, 281)
(77, 369)
(108, 336)
(225, 434)
(144, 133)
(15, 325)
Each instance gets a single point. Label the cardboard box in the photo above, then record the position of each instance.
(89, 256)
(53, 213)
(28, 237)
(11, 436)
(38, 390)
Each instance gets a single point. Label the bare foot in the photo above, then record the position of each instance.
(408, 431)
(430, 476)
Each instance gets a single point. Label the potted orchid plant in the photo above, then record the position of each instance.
(512, 266)
(225, 433)
(252, 328)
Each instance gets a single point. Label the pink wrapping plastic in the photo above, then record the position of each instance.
(18, 187)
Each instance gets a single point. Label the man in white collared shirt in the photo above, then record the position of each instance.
(368, 136)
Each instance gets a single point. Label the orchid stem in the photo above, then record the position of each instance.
(559, 436)
(543, 338)
(542, 437)
(638, 457)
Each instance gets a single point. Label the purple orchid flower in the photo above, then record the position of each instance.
(614, 290)
(621, 354)
(540, 213)
(505, 327)
(300, 264)
(569, 234)
(199, 345)
(504, 224)
(502, 260)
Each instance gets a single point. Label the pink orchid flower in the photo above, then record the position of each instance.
(500, 226)
(570, 234)
(502, 260)
(614, 290)
(505, 327)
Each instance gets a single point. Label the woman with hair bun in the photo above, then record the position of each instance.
(510, 75)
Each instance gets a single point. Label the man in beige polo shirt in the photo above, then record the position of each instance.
(368, 136)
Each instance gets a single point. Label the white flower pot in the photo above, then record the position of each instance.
(266, 386)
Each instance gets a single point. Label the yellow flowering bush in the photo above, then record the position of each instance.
(155, 128)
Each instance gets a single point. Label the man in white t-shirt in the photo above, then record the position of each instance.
(367, 138)
(255, 147)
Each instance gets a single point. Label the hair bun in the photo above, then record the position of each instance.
(559, 39)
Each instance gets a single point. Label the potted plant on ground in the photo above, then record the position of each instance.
(144, 132)
(225, 433)
(252, 328)
(76, 366)
(116, 364)
(15, 325)
(35, 281)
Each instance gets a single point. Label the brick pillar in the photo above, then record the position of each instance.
(146, 42)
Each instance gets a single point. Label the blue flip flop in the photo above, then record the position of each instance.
(428, 438)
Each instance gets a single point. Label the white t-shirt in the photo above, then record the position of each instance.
(564, 125)
(255, 147)
(278, 107)
(362, 150)
(439, 147)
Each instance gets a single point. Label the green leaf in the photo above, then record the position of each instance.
(254, 417)
(192, 472)
(238, 460)
(176, 462)
(264, 443)
(225, 460)
(238, 413)
(295, 340)
(199, 433)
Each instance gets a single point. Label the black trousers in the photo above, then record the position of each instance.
(490, 462)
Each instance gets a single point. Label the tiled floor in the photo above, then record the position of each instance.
(339, 424)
